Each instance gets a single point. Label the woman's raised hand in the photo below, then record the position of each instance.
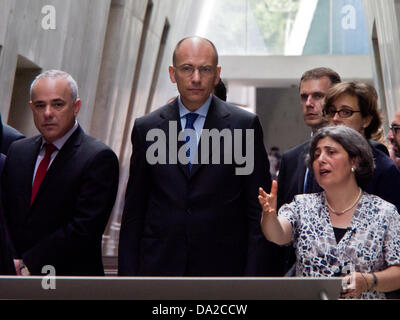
(268, 201)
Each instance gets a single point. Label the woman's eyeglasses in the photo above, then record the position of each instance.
(343, 113)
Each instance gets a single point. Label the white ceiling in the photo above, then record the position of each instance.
(286, 71)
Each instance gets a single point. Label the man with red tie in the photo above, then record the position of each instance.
(59, 187)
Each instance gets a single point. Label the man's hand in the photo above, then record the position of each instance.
(21, 268)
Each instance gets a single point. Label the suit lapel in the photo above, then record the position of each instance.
(217, 118)
(27, 170)
(170, 117)
(59, 162)
(302, 168)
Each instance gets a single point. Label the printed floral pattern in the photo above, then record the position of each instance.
(371, 244)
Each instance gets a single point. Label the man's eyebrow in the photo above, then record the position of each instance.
(37, 101)
(53, 100)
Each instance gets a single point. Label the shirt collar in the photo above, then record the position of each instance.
(60, 142)
(202, 111)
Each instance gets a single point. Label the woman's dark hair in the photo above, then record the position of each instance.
(367, 99)
(355, 145)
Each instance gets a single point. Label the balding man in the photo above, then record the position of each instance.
(194, 216)
(394, 139)
(59, 187)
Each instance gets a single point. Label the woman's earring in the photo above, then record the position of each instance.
(353, 169)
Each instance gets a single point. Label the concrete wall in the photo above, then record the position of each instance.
(150, 88)
(75, 45)
(280, 115)
(383, 29)
(118, 51)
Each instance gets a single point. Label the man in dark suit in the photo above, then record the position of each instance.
(293, 177)
(200, 218)
(7, 136)
(393, 137)
(59, 187)
(6, 256)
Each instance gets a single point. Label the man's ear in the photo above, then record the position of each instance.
(77, 106)
(217, 76)
(171, 70)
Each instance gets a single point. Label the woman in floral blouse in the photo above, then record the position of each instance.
(342, 230)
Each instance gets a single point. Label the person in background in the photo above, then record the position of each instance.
(220, 90)
(7, 136)
(355, 104)
(274, 161)
(294, 177)
(6, 254)
(343, 228)
(393, 137)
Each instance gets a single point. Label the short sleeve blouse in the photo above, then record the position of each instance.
(371, 244)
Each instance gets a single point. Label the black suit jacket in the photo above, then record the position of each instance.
(291, 173)
(385, 182)
(6, 255)
(203, 223)
(65, 223)
(7, 136)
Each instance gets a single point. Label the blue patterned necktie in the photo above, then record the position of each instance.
(190, 119)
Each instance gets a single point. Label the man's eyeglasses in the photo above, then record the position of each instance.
(395, 129)
(343, 113)
(187, 70)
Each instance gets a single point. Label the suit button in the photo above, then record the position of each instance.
(188, 211)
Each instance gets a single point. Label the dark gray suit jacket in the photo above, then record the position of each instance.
(200, 223)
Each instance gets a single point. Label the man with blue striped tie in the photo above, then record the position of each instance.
(194, 217)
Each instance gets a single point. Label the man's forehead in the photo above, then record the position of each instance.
(315, 85)
(55, 88)
(195, 48)
(396, 118)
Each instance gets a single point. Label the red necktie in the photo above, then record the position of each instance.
(42, 169)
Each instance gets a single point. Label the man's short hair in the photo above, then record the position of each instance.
(180, 42)
(318, 73)
(58, 74)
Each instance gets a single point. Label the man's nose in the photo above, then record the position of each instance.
(390, 135)
(196, 75)
(47, 110)
(310, 101)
